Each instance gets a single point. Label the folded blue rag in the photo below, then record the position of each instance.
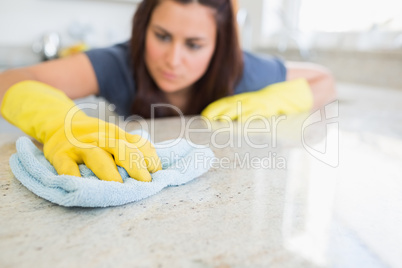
(182, 161)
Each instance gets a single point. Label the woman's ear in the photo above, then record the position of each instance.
(235, 4)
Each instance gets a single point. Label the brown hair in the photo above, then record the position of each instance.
(224, 70)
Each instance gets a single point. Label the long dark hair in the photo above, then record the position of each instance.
(224, 70)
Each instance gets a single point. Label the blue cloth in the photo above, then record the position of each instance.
(116, 82)
(182, 161)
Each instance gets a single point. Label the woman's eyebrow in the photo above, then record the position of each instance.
(160, 29)
(157, 27)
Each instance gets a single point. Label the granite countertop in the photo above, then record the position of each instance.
(320, 193)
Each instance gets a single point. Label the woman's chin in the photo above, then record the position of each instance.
(170, 88)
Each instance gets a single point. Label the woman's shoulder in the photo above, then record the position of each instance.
(118, 52)
(259, 71)
(114, 75)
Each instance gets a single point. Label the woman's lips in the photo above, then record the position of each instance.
(168, 75)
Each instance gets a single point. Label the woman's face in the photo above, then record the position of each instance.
(180, 41)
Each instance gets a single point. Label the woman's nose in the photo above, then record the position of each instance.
(174, 55)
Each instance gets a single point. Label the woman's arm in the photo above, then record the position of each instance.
(73, 75)
(321, 81)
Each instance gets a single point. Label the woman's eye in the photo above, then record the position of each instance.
(162, 37)
(193, 46)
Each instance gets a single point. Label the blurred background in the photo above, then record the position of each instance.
(360, 41)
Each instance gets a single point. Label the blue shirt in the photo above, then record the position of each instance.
(116, 82)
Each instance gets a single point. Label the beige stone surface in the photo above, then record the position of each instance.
(293, 210)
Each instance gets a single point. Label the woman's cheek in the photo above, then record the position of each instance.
(153, 51)
(203, 62)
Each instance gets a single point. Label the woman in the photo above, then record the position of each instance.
(182, 52)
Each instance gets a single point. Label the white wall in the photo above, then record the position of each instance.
(24, 21)
(250, 32)
(263, 19)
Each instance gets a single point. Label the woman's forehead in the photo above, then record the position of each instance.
(189, 20)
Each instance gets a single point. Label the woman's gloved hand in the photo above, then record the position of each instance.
(70, 137)
(288, 97)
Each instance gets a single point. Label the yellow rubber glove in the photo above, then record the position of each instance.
(70, 137)
(288, 97)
